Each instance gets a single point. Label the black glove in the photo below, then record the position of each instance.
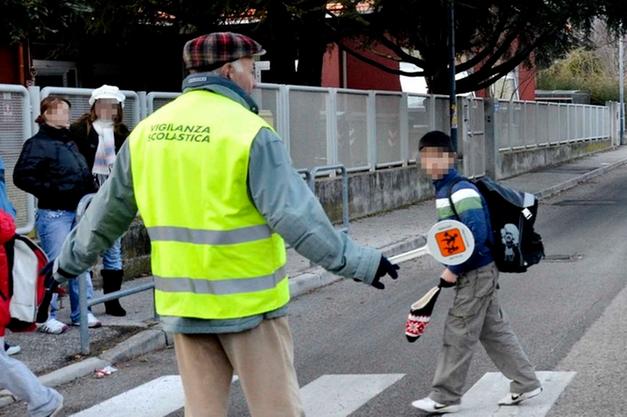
(51, 285)
(385, 268)
(446, 284)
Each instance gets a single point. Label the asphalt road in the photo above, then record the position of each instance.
(348, 328)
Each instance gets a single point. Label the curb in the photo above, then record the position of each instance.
(153, 339)
(136, 345)
(573, 182)
(143, 342)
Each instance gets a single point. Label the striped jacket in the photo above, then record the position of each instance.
(473, 212)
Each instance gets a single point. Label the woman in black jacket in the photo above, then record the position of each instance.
(99, 135)
(52, 169)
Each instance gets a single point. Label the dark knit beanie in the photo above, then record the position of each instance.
(436, 139)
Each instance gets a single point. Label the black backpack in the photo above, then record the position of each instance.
(515, 245)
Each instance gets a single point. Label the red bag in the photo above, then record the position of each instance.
(26, 260)
(7, 231)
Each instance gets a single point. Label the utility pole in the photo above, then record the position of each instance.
(621, 87)
(451, 72)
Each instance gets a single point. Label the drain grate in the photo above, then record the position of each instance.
(583, 202)
(563, 258)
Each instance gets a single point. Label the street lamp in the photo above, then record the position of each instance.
(621, 88)
(451, 73)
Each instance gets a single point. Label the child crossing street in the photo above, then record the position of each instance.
(476, 315)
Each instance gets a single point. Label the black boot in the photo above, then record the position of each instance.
(112, 281)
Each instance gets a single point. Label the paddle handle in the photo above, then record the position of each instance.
(408, 256)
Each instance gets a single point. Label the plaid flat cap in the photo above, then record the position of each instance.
(208, 52)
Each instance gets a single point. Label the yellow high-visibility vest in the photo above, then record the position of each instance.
(213, 254)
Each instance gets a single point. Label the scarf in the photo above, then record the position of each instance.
(105, 154)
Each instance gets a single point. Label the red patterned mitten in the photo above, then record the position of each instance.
(420, 314)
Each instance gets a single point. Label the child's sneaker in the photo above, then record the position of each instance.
(52, 326)
(12, 349)
(432, 407)
(514, 399)
(92, 321)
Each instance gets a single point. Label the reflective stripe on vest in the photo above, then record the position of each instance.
(209, 237)
(218, 287)
(213, 255)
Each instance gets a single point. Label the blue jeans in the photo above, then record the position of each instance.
(22, 383)
(112, 257)
(53, 226)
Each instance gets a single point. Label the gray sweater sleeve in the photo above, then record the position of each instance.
(108, 216)
(292, 210)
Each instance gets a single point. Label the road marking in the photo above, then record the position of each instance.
(156, 398)
(482, 399)
(340, 395)
(327, 396)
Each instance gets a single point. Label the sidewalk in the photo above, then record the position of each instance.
(393, 232)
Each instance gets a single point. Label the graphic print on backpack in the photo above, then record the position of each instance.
(510, 239)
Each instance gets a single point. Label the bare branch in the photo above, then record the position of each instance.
(380, 65)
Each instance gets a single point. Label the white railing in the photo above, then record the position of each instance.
(15, 126)
(525, 124)
(79, 98)
(360, 129)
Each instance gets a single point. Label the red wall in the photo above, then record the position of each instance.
(527, 83)
(8, 65)
(332, 67)
(359, 75)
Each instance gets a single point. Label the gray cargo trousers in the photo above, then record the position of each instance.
(476, 316)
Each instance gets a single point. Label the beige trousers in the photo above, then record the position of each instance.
(262, 357)
(476, 316)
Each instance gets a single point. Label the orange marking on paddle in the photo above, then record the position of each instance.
(450, 242)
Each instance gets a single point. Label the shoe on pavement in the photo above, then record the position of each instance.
(430, 406)
(515, 399)
(92, 321)
(52, 326)
(12, 349)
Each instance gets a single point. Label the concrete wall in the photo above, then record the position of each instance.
(517, 162)
(374, 192)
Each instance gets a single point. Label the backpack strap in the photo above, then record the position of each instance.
(450, 195)
(9, 249)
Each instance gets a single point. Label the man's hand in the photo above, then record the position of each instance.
(449, 277)
(54, 276)
(385, 268)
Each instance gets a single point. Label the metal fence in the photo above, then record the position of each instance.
(15, 126)
(362, 130)
(79, 98)
(524, 124)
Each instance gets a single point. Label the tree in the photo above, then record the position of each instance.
(291, 31)
(37, 18)
(492, 36)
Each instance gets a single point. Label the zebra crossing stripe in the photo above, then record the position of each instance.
(340, 395)
(482, 399)
(327, 396)
(156, 398)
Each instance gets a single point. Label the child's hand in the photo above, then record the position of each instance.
(448, 276)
